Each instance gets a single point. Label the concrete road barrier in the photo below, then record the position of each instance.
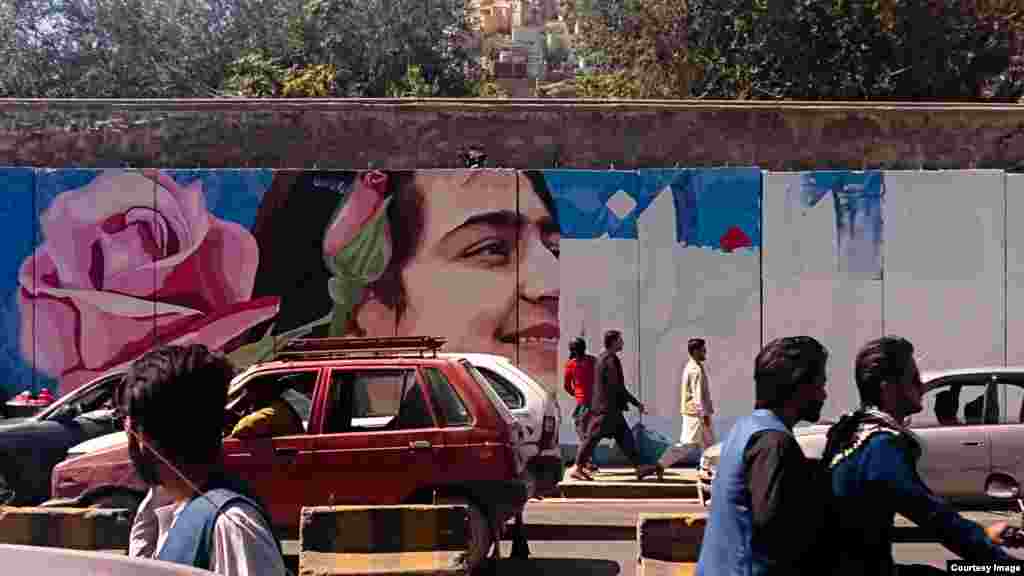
(666, 539)
(380, 540)
(652, 567)
(74, 528)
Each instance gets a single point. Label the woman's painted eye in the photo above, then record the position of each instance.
(491, 251)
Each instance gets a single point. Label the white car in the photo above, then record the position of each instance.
(536, 409)
(17, 559)
(532, 405)
(961, 457)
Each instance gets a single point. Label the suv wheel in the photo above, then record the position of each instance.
(481, 537)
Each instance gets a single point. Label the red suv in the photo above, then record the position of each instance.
(387, 421)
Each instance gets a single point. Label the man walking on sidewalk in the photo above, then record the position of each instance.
(695, 406)
(609, 400)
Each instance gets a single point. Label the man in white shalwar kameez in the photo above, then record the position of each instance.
(695, 405)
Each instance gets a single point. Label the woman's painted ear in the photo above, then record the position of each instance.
(374, 319)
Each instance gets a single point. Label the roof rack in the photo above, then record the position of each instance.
(330, 348)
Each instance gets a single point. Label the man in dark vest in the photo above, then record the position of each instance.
(172, 400)
(763, 516)
(609, 399)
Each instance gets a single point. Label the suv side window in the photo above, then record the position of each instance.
(508, 391)
(366, 400)
(295, 388)
(446, 400)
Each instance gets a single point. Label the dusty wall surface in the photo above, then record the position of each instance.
(514, 133)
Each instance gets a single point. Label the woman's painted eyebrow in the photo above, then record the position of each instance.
(495, 219)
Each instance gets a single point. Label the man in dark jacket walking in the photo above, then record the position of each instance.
(609, 400)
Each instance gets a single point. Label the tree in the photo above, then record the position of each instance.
(265, 48)
(637, 47)
(806, 49)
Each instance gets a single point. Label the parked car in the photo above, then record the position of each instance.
(982, 443)
(537, 410)
(18, 559)
(30, 447)
(388, 421)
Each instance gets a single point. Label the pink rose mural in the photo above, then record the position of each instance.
(130, 260)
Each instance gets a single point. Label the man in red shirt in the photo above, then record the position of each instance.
(579, 383)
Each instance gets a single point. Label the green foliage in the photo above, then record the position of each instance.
(254, 76)
(413, 85)
(805, 49)
(314, 81)
(618, 84)
(198, 48)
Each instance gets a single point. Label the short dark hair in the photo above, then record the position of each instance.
(577, 348)
(406, 221)
(176, 395)
(881, 360)
(694, 344)
(610, 337)
(783, 365)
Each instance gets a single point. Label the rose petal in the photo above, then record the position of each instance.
(185, 212)
(48, 333)
(213, 331)
(220, 273)
(71, 224)
(357, 210)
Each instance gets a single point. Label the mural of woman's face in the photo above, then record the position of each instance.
(485, 276)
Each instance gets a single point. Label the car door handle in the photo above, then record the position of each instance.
(419, 445)
(978, 443)
(286, 452)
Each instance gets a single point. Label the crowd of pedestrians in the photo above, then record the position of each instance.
(774, 511)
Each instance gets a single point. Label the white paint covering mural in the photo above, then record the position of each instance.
(1014, 270)
(943, 261)
(822, 267)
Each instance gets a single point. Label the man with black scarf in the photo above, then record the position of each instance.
(872, 460)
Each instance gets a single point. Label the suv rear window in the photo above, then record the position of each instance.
(485, 384)
(446, 400)
(508, 391)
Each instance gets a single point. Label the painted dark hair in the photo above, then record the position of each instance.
(783, 365)
(881, 360)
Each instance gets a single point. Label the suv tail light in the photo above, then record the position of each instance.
(547, 435)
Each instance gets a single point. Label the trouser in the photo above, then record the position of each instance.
(580, 417)
(608, 425)
(677, 452)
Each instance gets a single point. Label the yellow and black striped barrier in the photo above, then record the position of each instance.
(74, 528)
(414, 539)
(669, 544)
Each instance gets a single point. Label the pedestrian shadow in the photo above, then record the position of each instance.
(556, 567)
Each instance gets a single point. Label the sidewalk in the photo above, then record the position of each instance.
(622, 483)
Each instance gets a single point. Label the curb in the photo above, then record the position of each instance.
(637, 490)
